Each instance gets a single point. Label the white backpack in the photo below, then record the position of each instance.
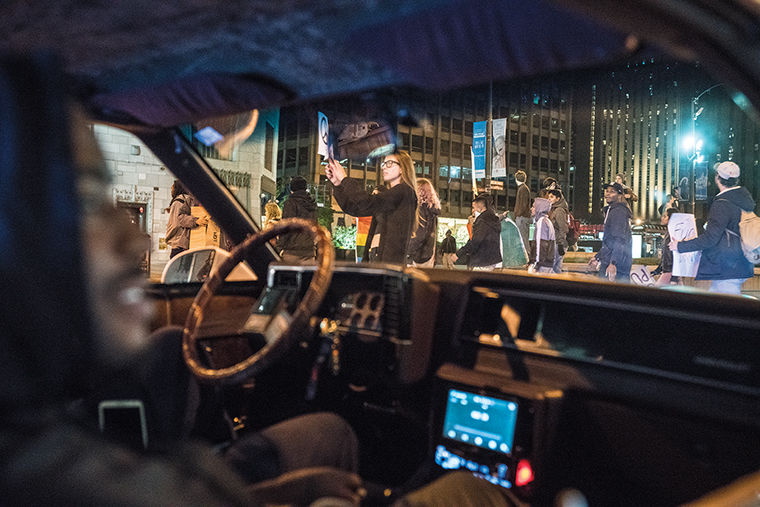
(749, 234)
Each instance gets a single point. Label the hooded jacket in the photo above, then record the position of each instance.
(616, 244)
(483, 247)
(722, 256)
(180, 222)
(422, 245)
(558, 216)
(392, 212)
(545, 241)
(300, 204)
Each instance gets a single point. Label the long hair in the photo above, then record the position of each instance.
(427, 194)
(178, 189)
(272, 212)
(407, 168)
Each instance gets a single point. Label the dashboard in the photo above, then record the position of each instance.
(538, 385)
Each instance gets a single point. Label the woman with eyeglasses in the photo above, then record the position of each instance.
(392, 210)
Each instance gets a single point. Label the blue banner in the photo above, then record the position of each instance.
(479, 149)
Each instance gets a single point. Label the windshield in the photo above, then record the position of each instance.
(620, 151)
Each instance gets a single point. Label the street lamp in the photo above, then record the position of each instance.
(696, 145)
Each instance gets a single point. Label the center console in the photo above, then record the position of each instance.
(495, 428)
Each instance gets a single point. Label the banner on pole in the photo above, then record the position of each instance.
(474, 183)
(499, 148)
(479, 149)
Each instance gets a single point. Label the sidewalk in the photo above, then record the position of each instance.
(577, 261)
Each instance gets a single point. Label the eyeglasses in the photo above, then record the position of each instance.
(388, 163)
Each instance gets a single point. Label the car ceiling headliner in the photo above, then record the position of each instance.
(164, 63)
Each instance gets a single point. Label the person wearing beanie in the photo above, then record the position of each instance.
(722, 259)
(545, 250)
(298, 247)
(615, 257)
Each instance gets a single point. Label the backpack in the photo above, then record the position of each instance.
(573, 229)
(749, 234)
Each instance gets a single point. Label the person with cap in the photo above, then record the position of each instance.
(722, 260)
(549, 183)
(615, 257)
(298, 247)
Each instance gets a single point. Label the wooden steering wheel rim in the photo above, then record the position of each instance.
(259, 361)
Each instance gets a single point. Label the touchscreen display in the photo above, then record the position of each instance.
(480, 420)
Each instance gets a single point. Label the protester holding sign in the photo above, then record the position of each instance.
(722, 260)
(666, 256)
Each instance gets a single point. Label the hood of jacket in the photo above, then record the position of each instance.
(541, 206)
(304, 200)
(562, 203)
(739, 196)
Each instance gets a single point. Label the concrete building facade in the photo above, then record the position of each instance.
(141, 185)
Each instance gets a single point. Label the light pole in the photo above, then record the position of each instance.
(695, 148)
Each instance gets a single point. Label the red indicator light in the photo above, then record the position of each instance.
(524, 473)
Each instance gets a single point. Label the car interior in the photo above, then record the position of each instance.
(625, 395)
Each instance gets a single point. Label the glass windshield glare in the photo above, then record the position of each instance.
(623, 144)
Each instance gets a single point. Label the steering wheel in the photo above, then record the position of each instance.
(282, 330)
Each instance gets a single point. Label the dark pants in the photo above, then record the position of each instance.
(176, 251)
(312, 440)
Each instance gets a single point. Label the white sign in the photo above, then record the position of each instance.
(499, 148)
(322, 134)
(640, 276)
(682, 227)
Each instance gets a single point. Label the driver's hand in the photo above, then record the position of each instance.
(202, 220)
(304, 486)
